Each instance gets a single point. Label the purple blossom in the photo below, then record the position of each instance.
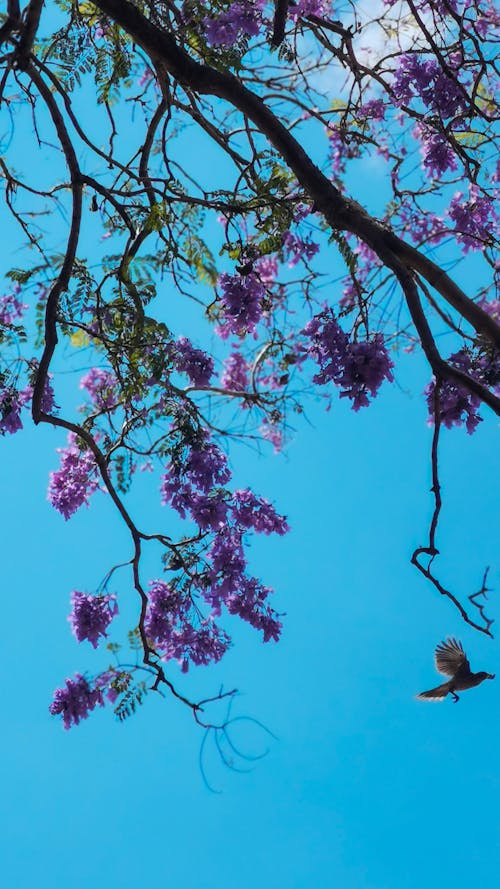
(426, 80)
(437, 154)
(206, 467)
(228, 565)
(303, 8)
(267, 269)
(235, 373)
(11, 404)
(241, 304)
(91, 616)
(475, 219)
(11, 308)
(492, 308)
(208, 510)
(299, 249)
(173, 491)
(47, 402)
(356, 368)
(198, 366)
(201, 644)
(168, 627)
(75, 701)
(250, 511)
(366, 366)
(250, 604)
(328, 345)
(271, 432)
(101, 386)
(423, 228)
(456, 404)
(163, 607)
(374, 109)
(339, 152)
(242, 19)
(203, 468)
(413, 78)
(74, 482)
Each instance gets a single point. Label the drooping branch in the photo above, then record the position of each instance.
(431, 550)
(62, 281)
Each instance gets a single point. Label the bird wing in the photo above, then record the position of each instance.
(450, 658)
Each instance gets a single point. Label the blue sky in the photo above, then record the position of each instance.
(364, 787)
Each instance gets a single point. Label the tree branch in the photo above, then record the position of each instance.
(343, 214)
(62, 282)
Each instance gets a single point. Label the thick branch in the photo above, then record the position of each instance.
(12, 22)
(279, 25)
(442, 369)
(32, 20)
(62, 281)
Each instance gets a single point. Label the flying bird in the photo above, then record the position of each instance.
(451, 660)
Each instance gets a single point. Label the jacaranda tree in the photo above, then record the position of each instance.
(221, 151)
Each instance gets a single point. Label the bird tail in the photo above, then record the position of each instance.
(434, 694)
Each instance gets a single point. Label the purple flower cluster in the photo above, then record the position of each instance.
(356, 368)
(75, 701)
(272, 433)
(243, 18)
(339, 149)
(492, 308)
(367, 263)
(209, 511)
(169, 627)
(437, 155)
(192, 486)
(423, 228)
(48, 403)
(298, 249)
(91, 616)
(456, 404)
(251, 511)
(235, 373)
(426, 80)
(303, 8)
(203, 468)
(195, 363)
(241, 304)
(11, 308)
(11, 405)
(229, 585)
(474, 218)
(250, 604)
(101, 386)
(267, 269)
(73, 483)
(374, 109)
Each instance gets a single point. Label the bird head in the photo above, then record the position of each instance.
(486, 675)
